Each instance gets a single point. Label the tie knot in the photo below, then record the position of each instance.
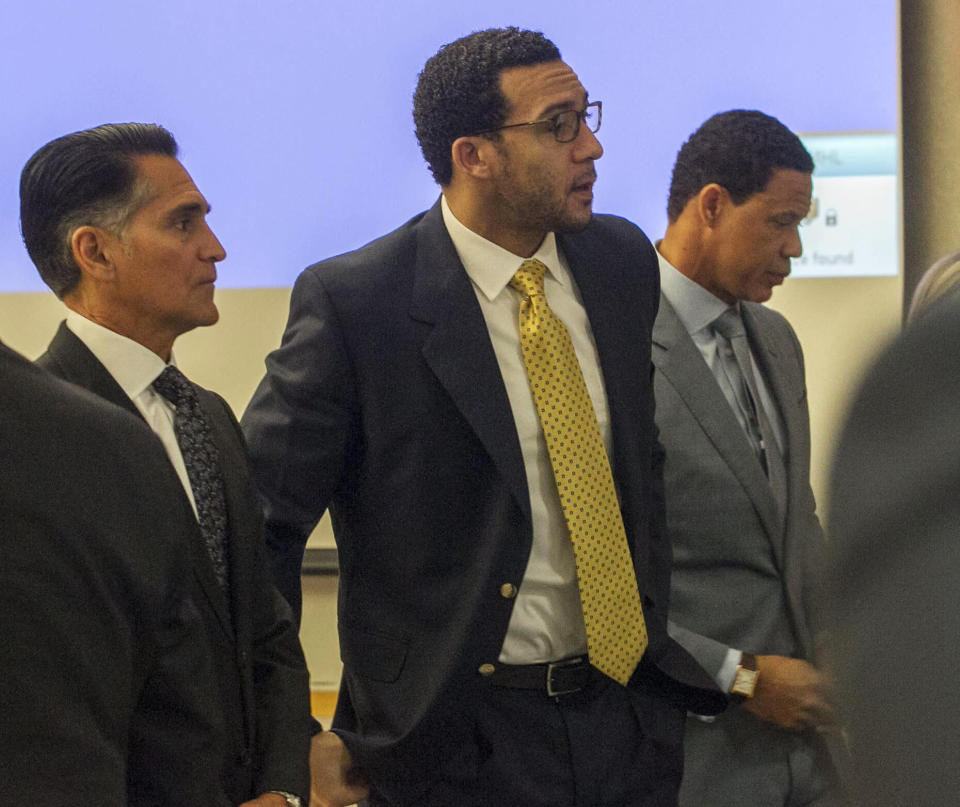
(173, 385)
(528, 279)
(729, 325)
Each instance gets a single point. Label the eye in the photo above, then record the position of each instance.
(786, 221)
(564, 124)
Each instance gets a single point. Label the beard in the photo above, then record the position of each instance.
(536, 200)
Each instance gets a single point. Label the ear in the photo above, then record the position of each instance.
(473, 156)
(712, 201)
(93, 250)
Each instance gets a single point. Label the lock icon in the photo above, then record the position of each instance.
(830, 218)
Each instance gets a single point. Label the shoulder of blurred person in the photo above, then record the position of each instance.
(102, 641)
(942, 279)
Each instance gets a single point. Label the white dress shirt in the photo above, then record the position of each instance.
(547, 620)
(697, 309)
(135, 368)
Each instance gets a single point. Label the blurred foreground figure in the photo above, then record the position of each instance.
(895, 515)
(102, 646)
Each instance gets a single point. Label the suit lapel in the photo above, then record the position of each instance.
(616, 333)
(767, 356)
(70, 359)
(459, 352)
(785, 395)
(676, 357)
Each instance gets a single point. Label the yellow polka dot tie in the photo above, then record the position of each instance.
(612, 613)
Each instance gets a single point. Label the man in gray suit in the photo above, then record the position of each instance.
(732, 414)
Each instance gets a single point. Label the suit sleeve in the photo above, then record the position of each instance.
(709, 653)
(281, 683)
(299, 426)
(814, 571)
(281, 687)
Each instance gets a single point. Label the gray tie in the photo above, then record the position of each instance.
(729, 325)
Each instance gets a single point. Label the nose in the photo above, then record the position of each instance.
(793, 246)
(213, 249)
(588, 146)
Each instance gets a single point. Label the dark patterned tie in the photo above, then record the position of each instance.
(202, 460)
(612, 611)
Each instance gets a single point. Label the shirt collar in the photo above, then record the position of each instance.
(489, 265)
(133, 366)
(696, 307)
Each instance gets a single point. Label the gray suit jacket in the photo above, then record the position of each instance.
(744, 576)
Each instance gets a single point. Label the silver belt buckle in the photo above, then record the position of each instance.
(554, 693)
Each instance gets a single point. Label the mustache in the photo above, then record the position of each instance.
(587, 178)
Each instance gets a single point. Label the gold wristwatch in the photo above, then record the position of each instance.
(745, 680)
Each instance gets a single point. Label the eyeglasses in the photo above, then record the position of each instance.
(565, 125)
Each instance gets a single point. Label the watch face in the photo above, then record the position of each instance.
(745, 682)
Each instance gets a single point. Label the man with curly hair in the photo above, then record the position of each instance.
(485, 661)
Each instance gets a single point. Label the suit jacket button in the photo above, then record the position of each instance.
(508, 591)
(245, 758)
(486, 669)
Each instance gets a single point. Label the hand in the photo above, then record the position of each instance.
(266, 800)
(792, 694)
(334, 780)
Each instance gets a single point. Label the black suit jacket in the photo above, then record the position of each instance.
(385, 403)
(105, 670)
(263, 681)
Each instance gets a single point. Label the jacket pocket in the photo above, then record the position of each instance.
(372, 654)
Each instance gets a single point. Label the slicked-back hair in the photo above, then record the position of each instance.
(85, 178)
(458, 92)
(739, 150)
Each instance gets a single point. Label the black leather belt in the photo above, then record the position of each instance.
(554, 679)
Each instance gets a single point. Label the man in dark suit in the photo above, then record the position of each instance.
(895, 529)
(118, 230)
(732, 413)
(402, 398)
(105, 673)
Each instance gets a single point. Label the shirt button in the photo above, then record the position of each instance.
(486, 669)
(508, 591)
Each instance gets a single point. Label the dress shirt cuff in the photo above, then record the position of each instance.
(728, 670)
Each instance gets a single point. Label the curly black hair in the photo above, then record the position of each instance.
(458, 91)
(739, 150)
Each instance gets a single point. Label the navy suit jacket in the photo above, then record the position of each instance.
(263, 681)
(385, 403)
